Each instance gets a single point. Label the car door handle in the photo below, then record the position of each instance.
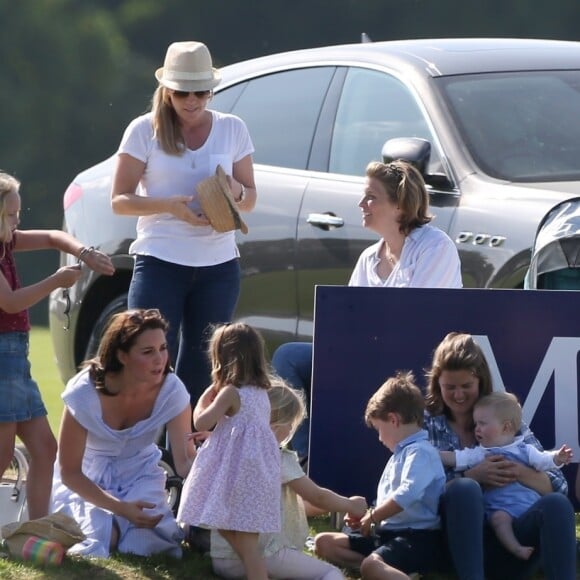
(325, 221)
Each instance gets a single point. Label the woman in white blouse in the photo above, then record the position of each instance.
(410, 253)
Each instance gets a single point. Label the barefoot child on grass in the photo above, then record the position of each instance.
(283, 551)
(235, 479)
(498, 417)
(22, 412)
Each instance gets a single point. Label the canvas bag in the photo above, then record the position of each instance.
(57, 527)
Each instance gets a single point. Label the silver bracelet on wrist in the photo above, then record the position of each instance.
(84, 251)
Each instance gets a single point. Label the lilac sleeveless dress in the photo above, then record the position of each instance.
(234, 483)
(125, 463)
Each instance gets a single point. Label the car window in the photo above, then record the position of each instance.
(281, 111)
(520, 126)
(373, 108)
(224, 100)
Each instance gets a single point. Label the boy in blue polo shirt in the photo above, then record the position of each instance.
(401, 535)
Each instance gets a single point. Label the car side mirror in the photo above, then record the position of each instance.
(411, 149)
(416, 151)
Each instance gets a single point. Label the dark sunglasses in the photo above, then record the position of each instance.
(185, 94)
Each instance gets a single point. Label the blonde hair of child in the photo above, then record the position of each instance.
(288, 406)
(505, 407)
(8, 185)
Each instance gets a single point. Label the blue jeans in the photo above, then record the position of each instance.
(548, 526)
(191, 299)
(293, 362)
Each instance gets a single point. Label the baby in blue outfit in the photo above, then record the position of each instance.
(497, 419)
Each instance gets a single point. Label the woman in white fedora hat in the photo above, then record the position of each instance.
(183, 266)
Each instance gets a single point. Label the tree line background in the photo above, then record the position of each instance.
(73, 73)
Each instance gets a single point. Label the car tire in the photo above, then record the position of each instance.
(119, 304)
(173, 482)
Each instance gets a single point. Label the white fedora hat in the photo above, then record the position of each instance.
(188, 67)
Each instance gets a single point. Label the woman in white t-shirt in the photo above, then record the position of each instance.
(183, 267)
(410, 253)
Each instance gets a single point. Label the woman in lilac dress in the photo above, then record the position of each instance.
(108, 476)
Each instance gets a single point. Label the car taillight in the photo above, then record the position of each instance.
(72, 194)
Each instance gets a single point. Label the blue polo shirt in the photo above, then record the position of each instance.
(415, 479)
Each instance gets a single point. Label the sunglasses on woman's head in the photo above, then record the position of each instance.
(185, 94)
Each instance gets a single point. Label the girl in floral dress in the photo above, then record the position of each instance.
(235, 479)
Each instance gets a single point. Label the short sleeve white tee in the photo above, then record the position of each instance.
(162, 235)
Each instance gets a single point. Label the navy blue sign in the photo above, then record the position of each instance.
(364, 335)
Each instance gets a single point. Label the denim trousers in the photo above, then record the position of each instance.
(293, 362)
(191, 299)
(548, 526)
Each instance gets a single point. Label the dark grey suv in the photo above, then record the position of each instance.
(502, 117)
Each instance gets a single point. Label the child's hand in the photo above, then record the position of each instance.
(564, 455)
(351, 521)
(67, 275)
(198, 437)
(358, 506)
(366, 524)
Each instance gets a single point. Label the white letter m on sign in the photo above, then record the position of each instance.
(561, 361)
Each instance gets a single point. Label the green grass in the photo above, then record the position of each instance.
(117, 567)
(45, 372)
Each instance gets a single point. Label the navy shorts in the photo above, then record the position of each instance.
(407, 550)
(20, 398)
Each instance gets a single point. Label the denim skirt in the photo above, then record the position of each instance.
(20, 398)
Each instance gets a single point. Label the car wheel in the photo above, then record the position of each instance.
(119, 304)
(13, 489)
(173, 482)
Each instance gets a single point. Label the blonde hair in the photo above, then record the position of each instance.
(8, 185)
(504, 406)
(288, 406)
(400, 395)
(165, 122)
(405, 188)
(238, 357)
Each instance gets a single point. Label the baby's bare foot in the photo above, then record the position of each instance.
(523, 552)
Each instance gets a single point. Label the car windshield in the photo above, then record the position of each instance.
(519, 126)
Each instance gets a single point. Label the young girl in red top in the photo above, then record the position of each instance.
(22, 412)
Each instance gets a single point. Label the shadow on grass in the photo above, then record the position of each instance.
(121, 566)
(127, 567)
